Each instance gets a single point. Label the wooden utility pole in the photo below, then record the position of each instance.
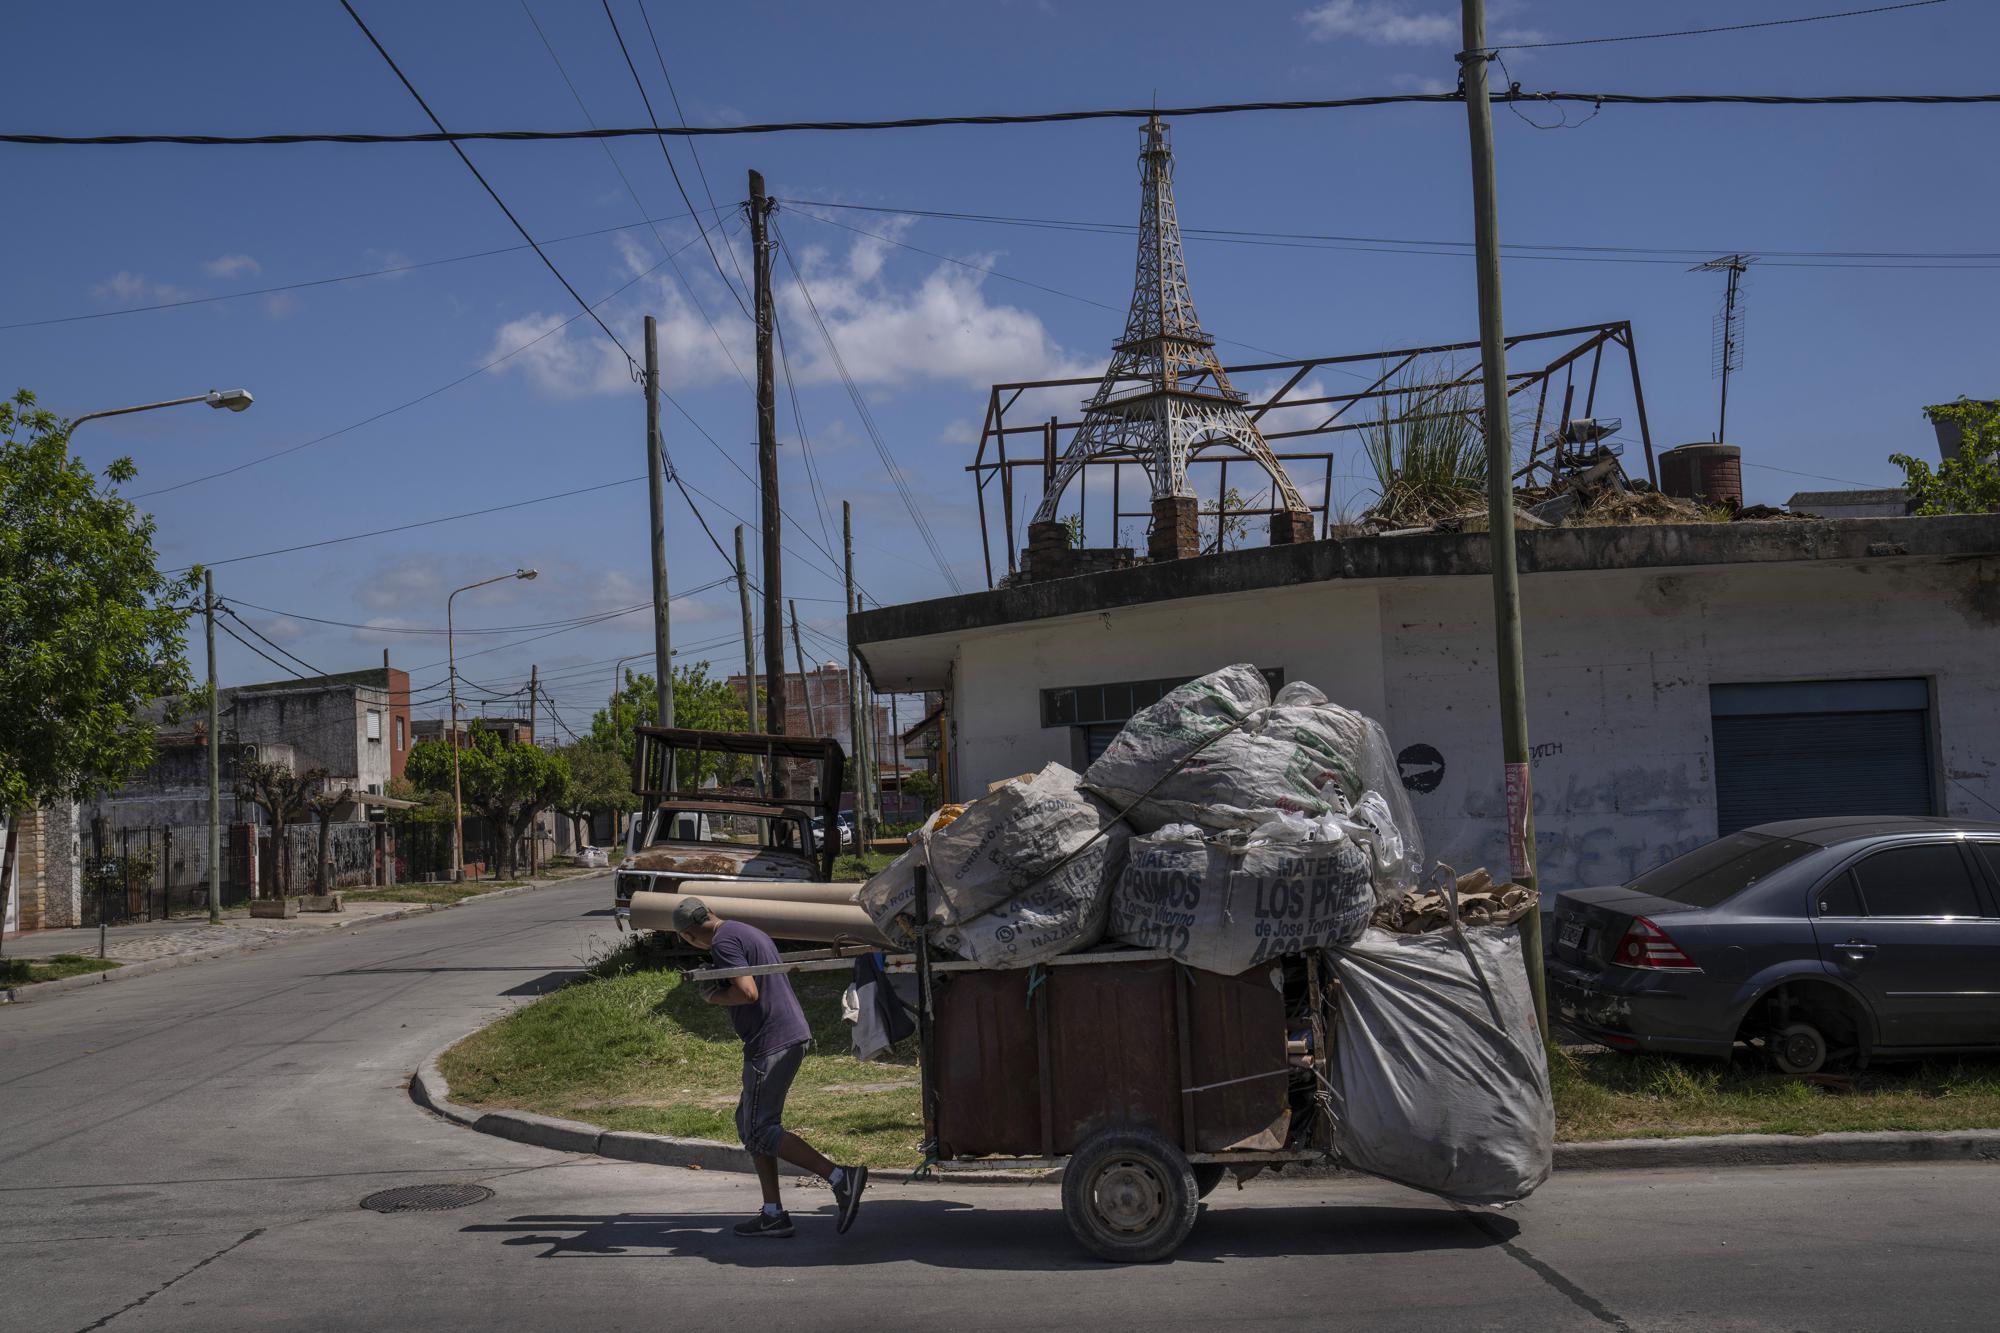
(534, 684)
(656, 465)
(1500, 495)
(767, 473)
(214, 760)
(805, 674)
(857, 731)
(749, 654)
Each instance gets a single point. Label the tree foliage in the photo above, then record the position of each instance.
(1968, 483)
(508, 784)
(701, 702)
(599, 782)
(90, 630)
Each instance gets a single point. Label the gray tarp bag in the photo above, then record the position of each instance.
(1440, 1081)
(1221, 753)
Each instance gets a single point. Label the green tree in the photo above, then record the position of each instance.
(285, 798)
(508, 784)
(599, 783)
(90, 629)
(701, 702)
(923, 786)
(1968, 483)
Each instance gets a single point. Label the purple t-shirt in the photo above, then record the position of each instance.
(775, 1021)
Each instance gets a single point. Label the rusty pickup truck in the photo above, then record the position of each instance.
(753, 822)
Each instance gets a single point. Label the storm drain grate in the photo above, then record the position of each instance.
(425, 1198)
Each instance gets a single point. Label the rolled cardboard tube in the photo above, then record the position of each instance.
(777, 890)
(825, 923)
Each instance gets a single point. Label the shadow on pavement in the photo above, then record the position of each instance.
(951, 1234)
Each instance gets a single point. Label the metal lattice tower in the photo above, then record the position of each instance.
(1164, 393)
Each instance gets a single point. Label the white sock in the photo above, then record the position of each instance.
(772, 1210)
(837, 1176)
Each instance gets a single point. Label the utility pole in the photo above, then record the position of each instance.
(1472, 62)
(749, 654)
(767, 474)
(656, 463)
(535, 679)
(805, 673)
(857, 732)
(214, 760)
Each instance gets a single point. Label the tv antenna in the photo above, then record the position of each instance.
(1728, 346)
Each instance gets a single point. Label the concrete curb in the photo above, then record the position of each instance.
(1711, 1152)
(43, 989)
(1726, 1150)
(429, 1089)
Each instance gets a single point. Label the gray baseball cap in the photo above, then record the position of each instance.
(689, 912)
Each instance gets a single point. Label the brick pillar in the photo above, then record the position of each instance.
(1047, 556)
(1176, 530)
(1291, 525)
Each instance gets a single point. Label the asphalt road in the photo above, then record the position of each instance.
(187, 1151)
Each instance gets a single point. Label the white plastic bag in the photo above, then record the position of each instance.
(1440, 1080)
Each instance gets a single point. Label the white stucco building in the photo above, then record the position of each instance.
(1683, 681)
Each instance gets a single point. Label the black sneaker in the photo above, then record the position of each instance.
(853, 1180)
(767, 1225)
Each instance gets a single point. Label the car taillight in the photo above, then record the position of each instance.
(1646, 945)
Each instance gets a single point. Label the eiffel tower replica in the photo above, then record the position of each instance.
(1164, 394)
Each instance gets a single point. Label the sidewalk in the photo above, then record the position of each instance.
(143, 941)
(150, 946)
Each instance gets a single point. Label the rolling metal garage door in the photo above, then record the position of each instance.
(1807, 748)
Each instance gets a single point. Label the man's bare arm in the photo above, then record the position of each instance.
(733, 992)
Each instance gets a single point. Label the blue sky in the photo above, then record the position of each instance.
(1840, 360)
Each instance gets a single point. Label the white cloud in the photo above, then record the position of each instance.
(124, 288)
(890, 331)
(1380, 23)
(1419, 83)
(281, 305)
(232, 266)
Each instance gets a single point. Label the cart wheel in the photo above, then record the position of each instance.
(1129, 1196)
(1207, 1175)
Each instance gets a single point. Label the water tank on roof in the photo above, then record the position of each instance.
(1705, 473)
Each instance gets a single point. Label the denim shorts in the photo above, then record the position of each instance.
(766, 1081)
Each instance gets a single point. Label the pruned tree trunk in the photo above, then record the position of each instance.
(319, 868)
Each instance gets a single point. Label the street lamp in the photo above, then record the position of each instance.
(451, 657)
(236, 400)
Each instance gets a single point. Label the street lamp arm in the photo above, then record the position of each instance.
(233, 399)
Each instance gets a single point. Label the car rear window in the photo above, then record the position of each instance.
(1928, 880)
(1709, 876)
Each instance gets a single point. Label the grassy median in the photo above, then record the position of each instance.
(441, 892)
(1605, 1095)
(631, 1047)
(636, 1048)
(28, 971)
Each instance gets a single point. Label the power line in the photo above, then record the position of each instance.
(612, 158)
(693, 152)
(540, 253)
(223, 625)
(405, 406)
(344, 277)
(1516, 250)
(1032, 118)
(672, 170)
(407, 527)
(223, 607)
(1703, 32)
(895, 474)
